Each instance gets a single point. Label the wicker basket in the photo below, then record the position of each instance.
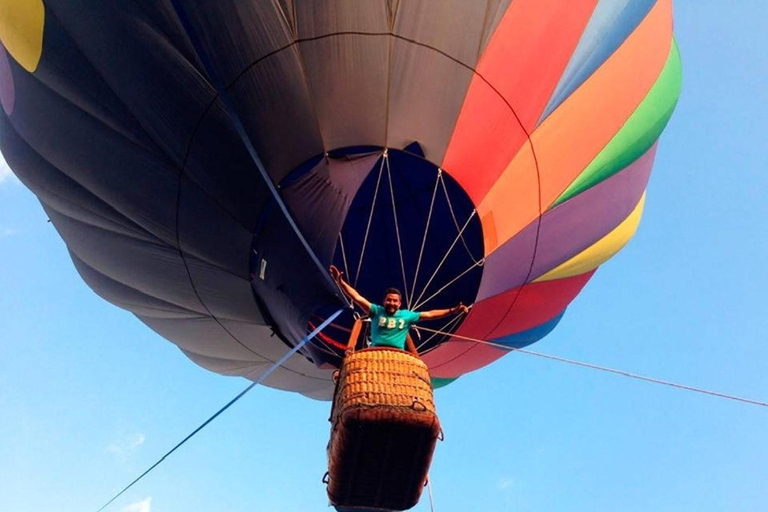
(384, 431)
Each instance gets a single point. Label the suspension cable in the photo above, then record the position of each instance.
(449, 283)
(323, 346)
(426, 230)
(591, 366)
(448, 327)
(370, 218)
(440, 265)
(261, 378)
(343, 253)
(455, 221)
(397, 231)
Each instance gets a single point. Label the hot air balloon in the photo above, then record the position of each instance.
(205, 162)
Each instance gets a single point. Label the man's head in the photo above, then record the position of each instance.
(392, 300)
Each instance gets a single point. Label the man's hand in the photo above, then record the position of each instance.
(349, 290)
(335, 273)
(441, 313)
(461, 308)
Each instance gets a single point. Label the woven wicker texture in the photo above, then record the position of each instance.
(384, 377)
(384, 430)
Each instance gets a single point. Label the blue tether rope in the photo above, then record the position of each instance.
(261, 378)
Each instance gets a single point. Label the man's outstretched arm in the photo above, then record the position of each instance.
(351, 292)
(434, 314)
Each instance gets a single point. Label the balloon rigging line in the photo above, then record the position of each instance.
(397, 230)
(258, 381)
(349, 302)
(440, 265)
(431, 499)
(601, 368)
(334, 325)
(370, 218)
(237, 124)
(446, 328)
(322, 345)
(456, 222)
(473, 266)
(426, 230)
(343, 253)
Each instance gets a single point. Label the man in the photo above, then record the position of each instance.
(389, 323)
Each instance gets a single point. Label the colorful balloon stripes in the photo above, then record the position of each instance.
(540, 119)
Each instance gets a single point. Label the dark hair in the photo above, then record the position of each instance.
(394, 291)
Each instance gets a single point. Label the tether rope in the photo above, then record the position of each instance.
(601, 368)
(431, 499)
(261, 378)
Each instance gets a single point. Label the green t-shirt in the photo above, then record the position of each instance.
(390, 331)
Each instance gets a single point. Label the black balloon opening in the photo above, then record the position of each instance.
(410, 226)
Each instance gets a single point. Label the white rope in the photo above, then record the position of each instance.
(446, 328)
(322, 345)
(397, 232)
(455, 221)
(473, 266)
(370, 218)
(602, 368)
(426, 230)
(440, 265)
(429, 490)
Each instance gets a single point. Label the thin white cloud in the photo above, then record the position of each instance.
(126, 445)
(144, 505)
(6, 231)
(6, 174)
(504, 484)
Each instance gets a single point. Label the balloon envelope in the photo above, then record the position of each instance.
(206, 161)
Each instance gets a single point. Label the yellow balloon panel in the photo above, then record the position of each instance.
(21, 30)
(600, 251)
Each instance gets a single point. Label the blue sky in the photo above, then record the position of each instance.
(90, 397)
